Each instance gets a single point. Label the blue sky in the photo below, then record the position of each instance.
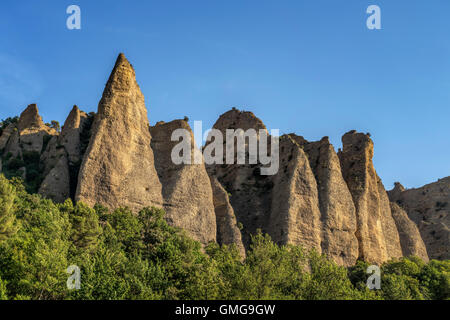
(309, 67)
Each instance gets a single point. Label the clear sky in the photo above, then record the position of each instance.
(309, 67)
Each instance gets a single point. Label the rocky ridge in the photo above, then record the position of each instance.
(332, 202)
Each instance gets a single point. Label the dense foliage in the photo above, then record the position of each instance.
(126, 256)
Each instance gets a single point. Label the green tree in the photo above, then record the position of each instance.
(3, 292)
(327, 280)
(435, 279)
(55, 125)
(85, 229)
(8, 225)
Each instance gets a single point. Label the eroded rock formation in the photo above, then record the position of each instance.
(62, 158)
(410, 239)
(332, 202)
(377, 234)
(429, 208)
(32, 130)
(228, 231)
(338, 214)
(186, 189)
(118, 167)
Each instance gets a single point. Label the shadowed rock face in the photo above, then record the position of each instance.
(429, 208)
(56, 185)
(186, 189)
(6, 134)
(228, 232)
(13, 146)
(118, 167)
(410, 239)
(249, 192)
(376, 230)
(62, 158)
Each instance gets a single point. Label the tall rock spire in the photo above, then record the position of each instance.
(118, 167)
(338, 216)
(377, 233)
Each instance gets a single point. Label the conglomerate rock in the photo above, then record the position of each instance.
(333, 203)
(118, 167)
(429, 208)
(410, 239)
(186, 189)
(376, 230)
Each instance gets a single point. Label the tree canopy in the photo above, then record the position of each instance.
(122, 255)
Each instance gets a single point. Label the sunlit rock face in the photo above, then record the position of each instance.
(377, 233)
(186, 189)
(118, 167)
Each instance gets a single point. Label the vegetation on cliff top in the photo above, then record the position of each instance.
(126, 256)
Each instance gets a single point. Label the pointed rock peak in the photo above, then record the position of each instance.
(122, 85)
(237, 119)
(30, 118)
(122, 62)
(121, 58)
(74, 118)
(122, 77)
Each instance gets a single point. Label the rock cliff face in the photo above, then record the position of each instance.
(376, 230)
(332, 202)
(429, 208)
(186, 189)
(295, 215)
(249, 192)
(118, 167)
(228, 232)
(6, 134)
(336, 206)
(410, 239)
(56, 185)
